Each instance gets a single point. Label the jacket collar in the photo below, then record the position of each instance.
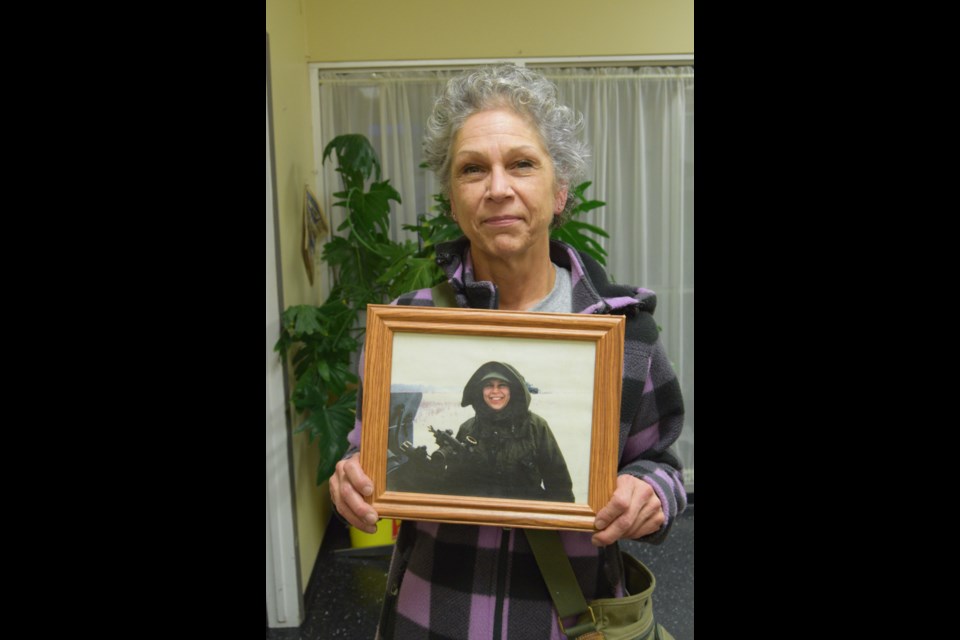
(592, 290)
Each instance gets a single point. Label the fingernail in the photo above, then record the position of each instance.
(367, 490)
(595, 542)
(600, 524)
(370, 519)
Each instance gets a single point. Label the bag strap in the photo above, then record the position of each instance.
(444, 295)
(561, 582)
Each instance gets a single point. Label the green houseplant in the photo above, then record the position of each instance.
(322, 342)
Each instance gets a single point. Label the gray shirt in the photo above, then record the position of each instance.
(560, 299)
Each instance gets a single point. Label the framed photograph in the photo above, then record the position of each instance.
(315, 228)
(491, 417)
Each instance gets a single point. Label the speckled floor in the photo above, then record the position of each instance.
(344, 597)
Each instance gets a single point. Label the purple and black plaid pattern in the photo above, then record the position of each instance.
(482, 583)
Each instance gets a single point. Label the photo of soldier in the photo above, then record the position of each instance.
(503, 451)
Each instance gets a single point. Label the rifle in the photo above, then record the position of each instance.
(449, 448)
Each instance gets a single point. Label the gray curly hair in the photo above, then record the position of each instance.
(528, 93)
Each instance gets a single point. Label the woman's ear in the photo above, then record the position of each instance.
(560, 201)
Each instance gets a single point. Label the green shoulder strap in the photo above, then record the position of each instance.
(561, 582)
(444, 295)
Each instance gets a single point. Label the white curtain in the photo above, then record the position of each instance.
(639, 125)
(391, 109)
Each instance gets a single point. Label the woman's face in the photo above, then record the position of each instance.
(503, 190)
(496, 393)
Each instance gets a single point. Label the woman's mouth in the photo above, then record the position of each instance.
(501, 221)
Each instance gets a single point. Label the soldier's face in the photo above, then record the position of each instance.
(496, 393)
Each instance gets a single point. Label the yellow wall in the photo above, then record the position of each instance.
(438, 29)
(293, 147)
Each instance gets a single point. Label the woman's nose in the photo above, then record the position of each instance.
(499, 187)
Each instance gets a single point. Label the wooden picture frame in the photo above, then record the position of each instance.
(417, 364)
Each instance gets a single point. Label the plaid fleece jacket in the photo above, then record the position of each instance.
(465, 582)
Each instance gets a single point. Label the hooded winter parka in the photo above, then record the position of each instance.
(516, 454)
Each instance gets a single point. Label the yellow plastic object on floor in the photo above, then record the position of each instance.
(386, 534)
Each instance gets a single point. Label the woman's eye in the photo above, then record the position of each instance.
(470, 168)
(524, 164)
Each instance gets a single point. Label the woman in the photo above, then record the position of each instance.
(507, 155)
(509, 451)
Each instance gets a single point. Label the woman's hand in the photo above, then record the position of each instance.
(633, 511)
(348, 485)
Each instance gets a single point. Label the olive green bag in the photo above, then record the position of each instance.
(626, 618)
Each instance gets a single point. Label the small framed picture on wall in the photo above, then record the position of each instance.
(315, 229)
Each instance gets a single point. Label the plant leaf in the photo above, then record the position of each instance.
(578, 227)
(588, 205)
(333, 424)
(354, 152)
